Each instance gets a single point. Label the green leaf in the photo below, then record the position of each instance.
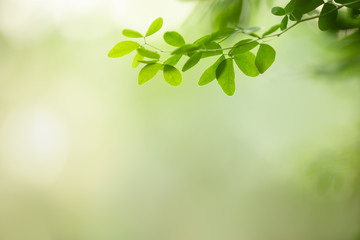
(212, 46)
(148, 61)
(147, 53)
(136, 60)
(223, 33)
(185, 49)
(204, 40)
(304, 6)
(172, 75)
(265, 57)
(284, 23)
(328, 15)
(155, 26)
(251, 30)
(173, 60)
(123, 48)
(210, 73)
(246, 63)
(289, 8)
(272, 30)
(349, 3)
(192, 61)
(148, 72)
(243, 46)
(278, 11)
(131, 33)
(174, 39)
(225, 75)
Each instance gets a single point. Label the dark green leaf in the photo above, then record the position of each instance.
(174, 39)
(147, 53)
(192, 61)
(173, 60)
(265, 57)
(155, 26)
(278, 11)
(172, 75)
(304, 6)
(271, 30)
(328, 15)
(185, 49)
(284, 23)
(246, 63)
(148, 72)
(243, 46)
(210, 73)
(225, 75)
(136, 60)
(123, 48)
(289, 8)
(349, 3)
(131, 33)
(214, 50)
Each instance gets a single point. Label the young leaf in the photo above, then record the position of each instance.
(328, 17)
(246, 63)
(225, 75)
(174, 39)
(147, 53)
(212, 46)
(136, 60)
(284, 23)
(242, 47)
(173, 60)
(265, 57)
(172, 75)
(148, 72)
(131, 33)
(278, 11)
(210, 73)
(192, 61)
(203, 40)
(272, 30)
(155, 26)
(185, 49)
(123, 48)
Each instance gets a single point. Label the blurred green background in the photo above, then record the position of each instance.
(85, 153)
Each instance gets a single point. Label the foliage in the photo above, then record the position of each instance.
(251, 55)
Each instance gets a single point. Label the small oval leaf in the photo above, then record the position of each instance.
(131, 33)
(172, 75)
(174, 39)
(246, 63)
(173, 60)
(271, 30)
(123, 48)
(243, 46)
(284, 23)
(147, 53)
(148, 72)
(192, 61)
(225, 75)
(185, 49)
(278, 11)
(265, 57)
(155, 26)
(210, 73)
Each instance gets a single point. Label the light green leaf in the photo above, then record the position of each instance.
(328, 15)
(243, 46)
(172, 75)
(173, 60)
(155, 26)
(192, 61)
(246, 63)
(265, 57)
(185, 49)
(225, 75)
(210, 73)
(212, 46)
(148, 61)
(131, 33)
(136, 60)
(123, 48)
(284, 23)
(278, 11)
(148, 72)
(251, 30)
(147, 53)
(272, 30)
(204, 40)
(174, 39)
